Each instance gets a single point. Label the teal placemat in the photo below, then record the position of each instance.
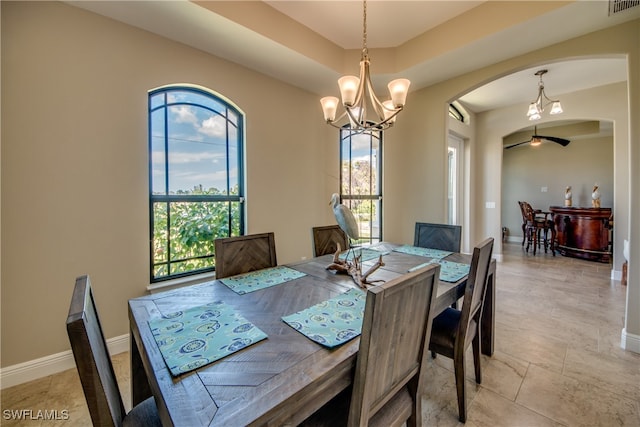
(367, 254)
(449, 271)
(201, 335)
(260, 279)
(425, 252)
(332, 322)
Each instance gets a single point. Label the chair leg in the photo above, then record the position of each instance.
(459, 370)
(476, 357)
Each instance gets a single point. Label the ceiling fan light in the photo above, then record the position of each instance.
(535, 141)
(398, 89)
(329, 107)
(348, 89)
(556, 108)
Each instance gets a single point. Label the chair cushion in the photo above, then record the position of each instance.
(145, 414)
(444, 329)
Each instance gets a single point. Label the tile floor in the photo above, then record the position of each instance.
(557, 362)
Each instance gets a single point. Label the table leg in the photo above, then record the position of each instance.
(487, 323)
(140, 389)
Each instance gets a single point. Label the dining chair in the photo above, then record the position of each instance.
(537, 228)
(445, 237)
(326, 238)
(389, 379)
(242, 254)
(94, 366)
(454, 330)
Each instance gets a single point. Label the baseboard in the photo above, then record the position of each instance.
(616, 275)
(49, 365)
(630, 342)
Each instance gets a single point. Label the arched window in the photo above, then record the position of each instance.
(361, 180)
(196, 141)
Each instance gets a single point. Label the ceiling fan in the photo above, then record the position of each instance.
(537, 140)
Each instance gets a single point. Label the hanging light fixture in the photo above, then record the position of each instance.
(357, 95)
(542, 101)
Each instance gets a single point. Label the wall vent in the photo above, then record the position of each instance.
(616, 6)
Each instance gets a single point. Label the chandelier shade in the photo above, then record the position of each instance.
(362, 108)
(536, 108)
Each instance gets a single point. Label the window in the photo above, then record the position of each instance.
(457, 111)
(195, 177)
(455, 179)
(361, 180)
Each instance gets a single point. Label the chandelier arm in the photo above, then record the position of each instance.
(356, 111)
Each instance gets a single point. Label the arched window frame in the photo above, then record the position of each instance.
(191, 126)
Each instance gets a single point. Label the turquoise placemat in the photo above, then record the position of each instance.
(449, 271)
(260, 279)
(367, 254)
(332, 322)
(425, 252)
(201, 335)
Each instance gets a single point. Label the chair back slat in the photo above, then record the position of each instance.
(242, 254)
(476, 286)
(326, 238)
(445, 237)
(394, 342)
(92, 358)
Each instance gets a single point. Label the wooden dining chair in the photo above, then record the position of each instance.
(242, 254)
(445, 237)
(538, 228)
(389, 377)
(454, 330)
(326, 238)
(95, 369)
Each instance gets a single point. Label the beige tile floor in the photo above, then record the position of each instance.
(557, 362)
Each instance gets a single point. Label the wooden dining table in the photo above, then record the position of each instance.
(280, 380)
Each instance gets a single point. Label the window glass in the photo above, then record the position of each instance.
(195, 144)
(361, 179)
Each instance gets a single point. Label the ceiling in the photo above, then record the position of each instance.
(273, 38)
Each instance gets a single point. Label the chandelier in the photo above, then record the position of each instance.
(357, 95)
(542, 101)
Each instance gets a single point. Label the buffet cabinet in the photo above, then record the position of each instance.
(583, 232)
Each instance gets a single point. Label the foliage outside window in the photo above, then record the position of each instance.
(196, 178)
(361, 181)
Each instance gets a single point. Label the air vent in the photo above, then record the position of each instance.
(617, 6)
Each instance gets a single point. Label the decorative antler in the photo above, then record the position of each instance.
(354, 269)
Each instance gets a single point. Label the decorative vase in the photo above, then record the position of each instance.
(595, 197)
(567, 196)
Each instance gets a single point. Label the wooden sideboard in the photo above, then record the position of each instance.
(583, 232)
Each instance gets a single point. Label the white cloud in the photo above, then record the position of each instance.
(184, 114)
(213, 126)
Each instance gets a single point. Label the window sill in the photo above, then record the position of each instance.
(180, 283)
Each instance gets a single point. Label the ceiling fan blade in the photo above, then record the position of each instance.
(515, 145)
(561, 141)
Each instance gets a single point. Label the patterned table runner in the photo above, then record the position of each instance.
(260, 279)
(425, 252)
(449, 271)
(200, 335)
(332, 322)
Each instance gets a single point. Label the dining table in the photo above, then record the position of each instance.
(284, 378)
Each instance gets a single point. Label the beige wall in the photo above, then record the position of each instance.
(75, 164)
(74, 161)
(526, 170)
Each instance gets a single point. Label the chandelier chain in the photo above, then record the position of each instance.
(365, 50)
